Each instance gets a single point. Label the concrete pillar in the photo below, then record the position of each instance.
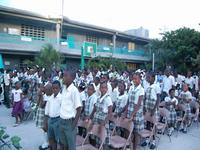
(58, 35)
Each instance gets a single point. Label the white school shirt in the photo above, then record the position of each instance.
(83, 96)
(70, 102)
(114, 94)
(53, 106)
(186, 95)
(46, 99)
(16, 95)
(190, 82)
(168, 99)
(139, 91)
(92, 101)
(107, 102)
(168, 82)
(6, 79)
(155, 90)
(123, 100)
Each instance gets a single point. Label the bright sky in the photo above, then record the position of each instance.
(156, 15)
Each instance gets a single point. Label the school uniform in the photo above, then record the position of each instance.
(172, 112)
(89, 104)
(70, 102)
(40, 114)
(185, 105)
(120, 103)
(151, 97)
(53, 112)
(133, 98)
(114, 94)
(102, 105)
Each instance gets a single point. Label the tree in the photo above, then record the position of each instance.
(105, 63)
(178, 49)
(48, 57)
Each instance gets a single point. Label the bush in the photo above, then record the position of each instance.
(105, 63)
(7, 142)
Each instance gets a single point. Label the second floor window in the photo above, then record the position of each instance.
(35, 32)
(91, 39)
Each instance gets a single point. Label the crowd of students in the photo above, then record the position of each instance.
(63, 97)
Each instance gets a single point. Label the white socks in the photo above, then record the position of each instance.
(45, 140)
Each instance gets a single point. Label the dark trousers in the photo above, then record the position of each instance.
(6, 95)
(67, 134)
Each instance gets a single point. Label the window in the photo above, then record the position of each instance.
(91, 39)
(35, 32)
(131, 46)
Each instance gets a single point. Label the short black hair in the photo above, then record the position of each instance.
(171, 90)
(57, 82)
(71, 71)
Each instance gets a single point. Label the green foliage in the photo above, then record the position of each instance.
(105, 63)
(5, 141)
(178, 49)
(48, 57)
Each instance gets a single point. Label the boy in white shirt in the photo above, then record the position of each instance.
(53, 112)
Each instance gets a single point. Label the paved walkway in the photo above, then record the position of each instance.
(31, 136)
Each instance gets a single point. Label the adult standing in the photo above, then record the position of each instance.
(70, 111)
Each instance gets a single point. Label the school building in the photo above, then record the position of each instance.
(23, 33)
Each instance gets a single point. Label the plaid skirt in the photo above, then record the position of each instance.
(172, 116)
(17, 108)
(187, 110)
(138, 122)
(40, 117)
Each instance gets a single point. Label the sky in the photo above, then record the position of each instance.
(157, 16)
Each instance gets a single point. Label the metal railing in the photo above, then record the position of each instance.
(32, 42)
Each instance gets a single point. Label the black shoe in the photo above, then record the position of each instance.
(144, 144)
(152, 146)
(184, 131)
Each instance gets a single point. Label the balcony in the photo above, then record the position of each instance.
(20, 44)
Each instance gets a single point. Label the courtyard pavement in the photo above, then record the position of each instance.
(32, 138)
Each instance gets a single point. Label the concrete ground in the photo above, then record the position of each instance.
(32, 137)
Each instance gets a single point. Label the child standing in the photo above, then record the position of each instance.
(135, 108)
(90, 101)
(53, 112)
(171, 103)
(121, 101)
(185, 99)
(17, 103)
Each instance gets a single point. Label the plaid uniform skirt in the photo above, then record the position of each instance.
(187, 111)
(172, 116)
(40, 117)
(138, 122)
(17, 108)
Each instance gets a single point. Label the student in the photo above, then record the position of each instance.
(135, 108)
(70, 111)
(26, 102)
(121, 101)
(103, 107)
(115, 91)
(81, 89)
(53, 112)
(17, 103)
(151, 102)
(41, 121)
(152, 96)
(90, 101)
(185, 99)
(171, 103)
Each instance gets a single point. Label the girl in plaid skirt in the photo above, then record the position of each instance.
(170, 103)
(151, 101)
(102, 110)
(185, 99)
(135, 108)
